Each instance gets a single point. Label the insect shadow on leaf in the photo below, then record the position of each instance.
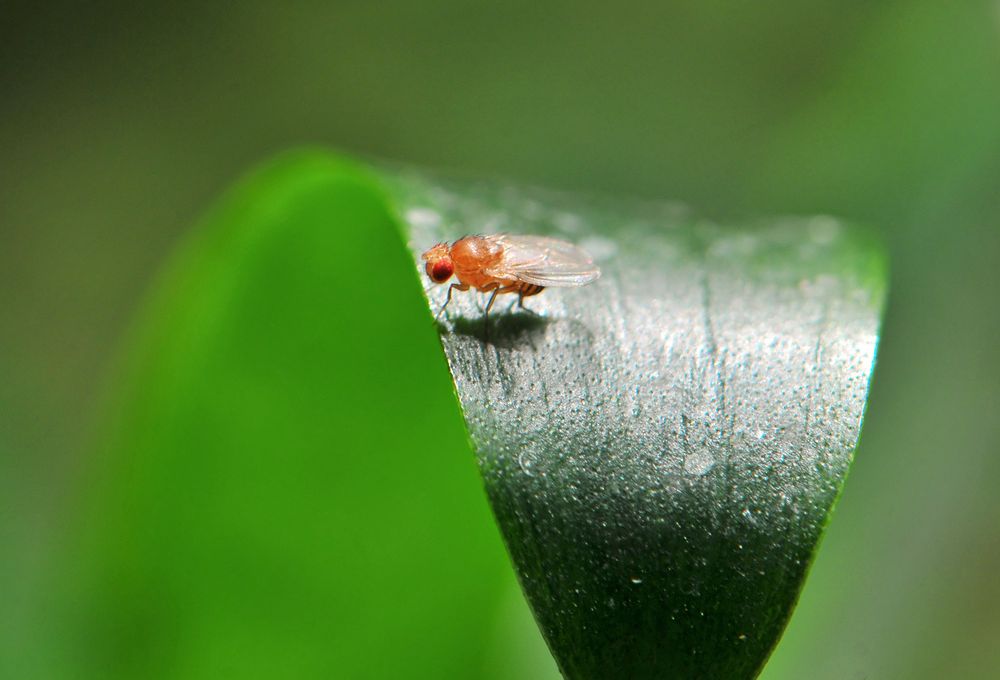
(505, 329)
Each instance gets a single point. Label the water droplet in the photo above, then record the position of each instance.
(698, 463)
(526, 462)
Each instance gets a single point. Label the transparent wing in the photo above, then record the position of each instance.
(543, 261)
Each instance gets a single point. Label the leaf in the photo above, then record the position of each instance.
(662, 449)
(287, 489)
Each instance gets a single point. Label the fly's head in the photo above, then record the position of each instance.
(439, 265)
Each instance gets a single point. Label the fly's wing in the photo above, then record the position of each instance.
(543, 261)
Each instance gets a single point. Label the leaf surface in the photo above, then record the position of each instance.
(662, 448)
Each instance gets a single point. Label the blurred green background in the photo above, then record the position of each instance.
(120, 123)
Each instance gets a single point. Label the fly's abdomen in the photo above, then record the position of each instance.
(529, 289)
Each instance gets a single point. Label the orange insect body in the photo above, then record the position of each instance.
(506, 263)
(473, 257)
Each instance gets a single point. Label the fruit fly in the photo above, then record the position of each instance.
(506, 263)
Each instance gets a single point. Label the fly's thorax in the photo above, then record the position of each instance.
(472, 255)
(476, 252)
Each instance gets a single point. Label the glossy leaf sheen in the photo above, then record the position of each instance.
(662, 448)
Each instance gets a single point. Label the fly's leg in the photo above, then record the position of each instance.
(520, 304)
(459, 286)
(496, 291)
(521, 295)
(486, 314)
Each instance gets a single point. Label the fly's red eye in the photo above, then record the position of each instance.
(442, 271)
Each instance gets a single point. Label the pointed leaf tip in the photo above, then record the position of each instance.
(662, 448)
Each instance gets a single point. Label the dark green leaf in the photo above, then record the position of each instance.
(662, 449)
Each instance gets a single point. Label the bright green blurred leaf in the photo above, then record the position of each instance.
(662, 448)
(288, 488)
